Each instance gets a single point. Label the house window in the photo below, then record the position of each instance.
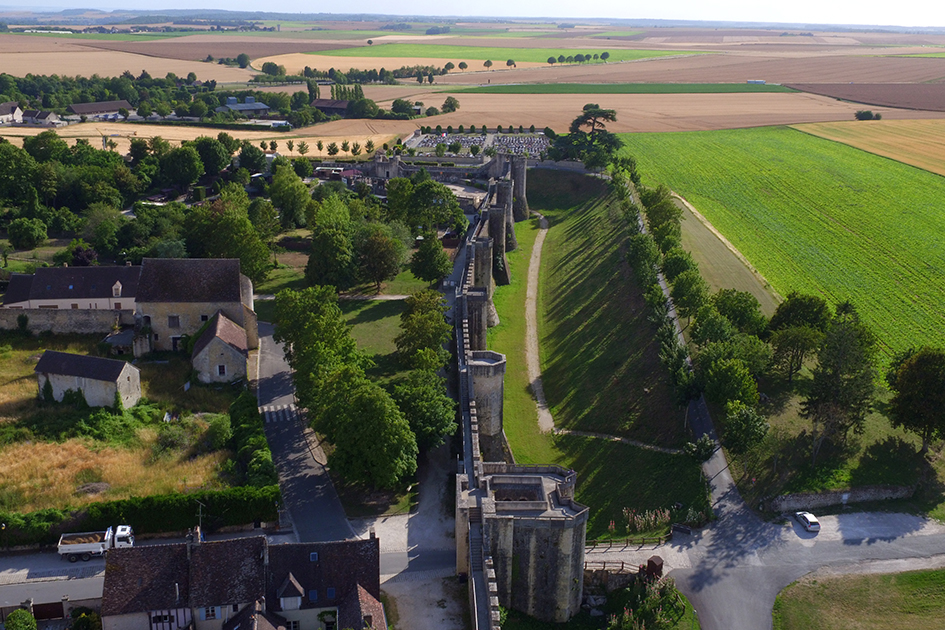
(75, 307)
(221, 370)
(313, 557)
(292, 625)
(173, 321)
(330, 593)
(236, 607)
(313, 595)
(204, 318)
(290, 603)
(117, 306)
(156, 619)
(155, 336)
(210, 613)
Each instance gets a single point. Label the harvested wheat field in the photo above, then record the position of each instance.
(656, 112)
(39, 475)
(353, 130)
(920, 143)
(197, 47)
(108, 63)
(724, 68)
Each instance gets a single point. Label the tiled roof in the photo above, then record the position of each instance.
(19, 288)
(330, 103)
(189, 280)
(141, 579)
(358, 607)
(226, 330)
(227, 572)
(60, 283)
(252, 617)
(96, 368)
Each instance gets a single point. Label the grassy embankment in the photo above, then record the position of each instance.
(822, 218)
(624, 88)
(595, 340)
(496, 54)
(900, 601)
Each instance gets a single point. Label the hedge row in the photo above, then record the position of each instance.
(253, 456)
(146, 515)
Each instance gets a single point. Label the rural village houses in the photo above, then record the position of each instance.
(169, 299)
(99, 379)
(244, 584)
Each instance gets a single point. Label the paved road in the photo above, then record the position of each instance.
(317, 514)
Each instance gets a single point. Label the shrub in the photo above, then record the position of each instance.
(700, 450)
(26, 233)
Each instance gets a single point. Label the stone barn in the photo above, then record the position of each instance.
(98, 379)
(220, 351)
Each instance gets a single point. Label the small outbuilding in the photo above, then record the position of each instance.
(221, 351)
(98, 379)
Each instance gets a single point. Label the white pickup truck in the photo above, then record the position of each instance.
(85, 545)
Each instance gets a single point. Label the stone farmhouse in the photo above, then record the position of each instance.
(165, 299)
(243, 584)
(95, 288)
(98, 379)
(40, 117)
(177, 296)
(103, 109)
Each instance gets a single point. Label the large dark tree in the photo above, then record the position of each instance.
(918, 401)
(430, 262)
(214, 155)
(801, 310)
(843, 382)
(423, 399)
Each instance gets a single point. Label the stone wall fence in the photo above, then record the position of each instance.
(815, 500)
(66, 321)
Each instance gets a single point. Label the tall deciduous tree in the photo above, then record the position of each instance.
(729, 380)
(792, 346)
(379, 254)
(430, 262)
(423, 399)
(213, 154)
(918, 401)
(689, 293)
(290, 194)
(801, 310)
(423, 327)
(745, 428)
(843, 384)
(182, 166)
(742, 309)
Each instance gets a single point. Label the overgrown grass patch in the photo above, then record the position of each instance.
(164, 376)
(899, 601)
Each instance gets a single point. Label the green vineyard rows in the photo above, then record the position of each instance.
(819, 217)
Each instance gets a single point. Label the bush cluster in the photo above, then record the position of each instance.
(253, 464)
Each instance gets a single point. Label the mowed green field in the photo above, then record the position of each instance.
(625, 88)
(443, 51)
(818, 216)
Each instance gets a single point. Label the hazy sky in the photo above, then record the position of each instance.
(873, 12)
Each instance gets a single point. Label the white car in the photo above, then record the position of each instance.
(808, 521)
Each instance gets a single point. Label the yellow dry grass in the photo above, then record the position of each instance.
(295, 62)
(112, 63)
(43, 475)
(920, 143)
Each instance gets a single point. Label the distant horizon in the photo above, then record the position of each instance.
(846, 14)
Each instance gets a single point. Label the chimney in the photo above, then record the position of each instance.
(176, 592)
(372, 534)
(127, 263)
(65, 264)
(262, 601)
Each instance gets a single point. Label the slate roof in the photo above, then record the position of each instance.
(8, 108)
(330, 103)
(61, 283)
(141, 579)
(66, 364)
(340, 565)
(103, 107)
(252, 617)
(227, 572)
(18, 289)
(189, 280)
(224, 328)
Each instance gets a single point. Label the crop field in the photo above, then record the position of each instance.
(819, 217)
(112, 63)
(626, 88)
(496, 54)
(919, 143)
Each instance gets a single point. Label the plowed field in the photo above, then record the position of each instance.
(907, 95)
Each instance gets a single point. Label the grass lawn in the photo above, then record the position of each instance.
(625, 88)
(600, 363)
(819, 217)
(374, 324)
(611, 476)
(497, 55)
(900, 601)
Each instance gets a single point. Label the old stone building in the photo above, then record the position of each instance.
(220, 352)
(75, 288)
(98, 379)
(177, 296)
